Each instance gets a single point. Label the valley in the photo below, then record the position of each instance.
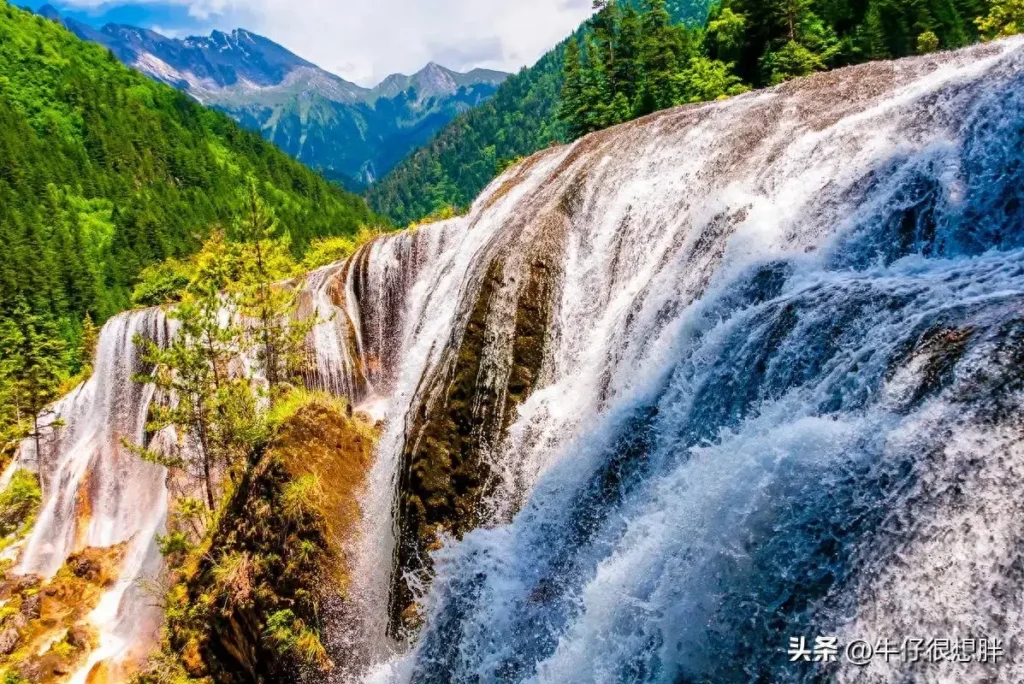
(690, 353)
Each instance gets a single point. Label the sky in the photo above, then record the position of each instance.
(363, 40)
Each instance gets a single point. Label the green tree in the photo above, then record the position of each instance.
(619, 111)
(791, 15)
(196, 370)
(1005, 18)
(927, 42)
(708, 79)
(272, 306)
(790, 61)
(596, 97)
(660, 57)
(606, 34)
(34, 369)
(726, 31)
(570, 106)
(873, 34)
(88, 345)
(628, 67)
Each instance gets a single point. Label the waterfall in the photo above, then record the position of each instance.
(97, 493)
(778, 392)
(665, 397)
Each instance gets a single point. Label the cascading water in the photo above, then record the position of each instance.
(97, 494)
(671, 395)
(778, 396)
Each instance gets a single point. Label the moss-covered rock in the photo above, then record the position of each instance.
(45, 635)
(445, 475)
(249, 604)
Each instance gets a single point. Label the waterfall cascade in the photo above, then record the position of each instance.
(670, 395)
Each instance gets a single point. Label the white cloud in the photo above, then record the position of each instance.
(365, 40)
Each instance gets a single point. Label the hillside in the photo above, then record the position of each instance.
(692, 384)
(358, 141)
(648, 65)
(351, 133)
(467, 154)
(106, 171)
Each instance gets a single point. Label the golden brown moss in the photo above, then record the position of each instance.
(248, 606)
(44, 631)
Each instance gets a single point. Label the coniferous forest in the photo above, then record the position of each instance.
(631, 59)
(106, 172)
(662, 401)
(634, 63)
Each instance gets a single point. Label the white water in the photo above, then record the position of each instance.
(735, 376)
(97, 493)
(692, 242)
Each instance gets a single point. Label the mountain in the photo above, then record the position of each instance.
(106, 171)
(664, 398)
(466, 154)
(351, 133)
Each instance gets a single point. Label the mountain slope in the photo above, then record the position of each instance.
(362, 139)
(106, 171)
(719, 348)
(348, 131)
(466, 155)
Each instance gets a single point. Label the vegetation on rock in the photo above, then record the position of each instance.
(19, 504)
(263, 474)
(232, 307)
(45, 633)
(444, 475)
(248, 603)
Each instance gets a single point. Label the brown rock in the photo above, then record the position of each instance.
(79, 636)
(31, 671)
(85, 568)
(27, 583)
(18, 622)
(32, 607)
(9, 639)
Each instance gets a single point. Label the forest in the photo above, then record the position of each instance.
(634, 63)
(106, 172)
(656, 55)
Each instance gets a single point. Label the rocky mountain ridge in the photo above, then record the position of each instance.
(351, 133)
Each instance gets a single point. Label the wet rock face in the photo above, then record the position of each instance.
(46, 632)
(466, 412)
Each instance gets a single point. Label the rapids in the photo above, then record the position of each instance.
(667, 397)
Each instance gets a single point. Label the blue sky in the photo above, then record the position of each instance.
(174, 17)
(363, 40)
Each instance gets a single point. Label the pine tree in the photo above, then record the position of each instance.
(872, 33)
(596, 97)
(790, 14)
(628, 67)
(571, 103)
(34, 368)
(12, 428)
(659, 55)
(280, 339)
(606, 31)
(198, 370)
(88, 346)
(620, 111)
(726, 30)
